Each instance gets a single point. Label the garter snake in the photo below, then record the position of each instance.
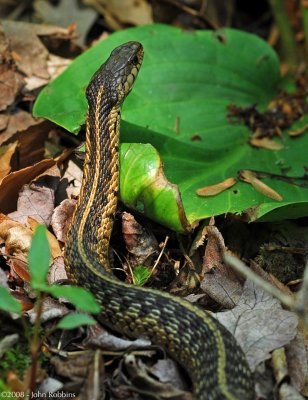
(215, 363)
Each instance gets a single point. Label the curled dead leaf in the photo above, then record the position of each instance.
(141, 245)
(13, 182)
(250, 177)
(61, 218)
(298, 132)
(266, 143)
(6, 154)
(212, 190)
(55, 248)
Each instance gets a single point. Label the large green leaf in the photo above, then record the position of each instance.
(186, 81)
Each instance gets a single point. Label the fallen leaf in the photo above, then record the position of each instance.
(16, 237)
(212, 190)
(55, 66)
(64, 13)
(6, 153)
(11, 84)
(118, 13)
(20, 268)
(259, 324)
(52, 309)
(141, 245)
(99, 336)
(73, 176)
(57, 272)
(250, 177)
(221, 288)
(297, 362)
(23, 39)
(298, 132)
(55, 248)
(61, 218)
(141, 379)
(12, 183)
(18, 121)
(266, 143)
(219, 281)
(36, 202)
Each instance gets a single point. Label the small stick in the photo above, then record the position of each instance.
(240, 267)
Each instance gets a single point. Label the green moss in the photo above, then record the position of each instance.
(15, 359)
(3, 387)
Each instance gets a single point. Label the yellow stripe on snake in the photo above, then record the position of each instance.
(208, 352)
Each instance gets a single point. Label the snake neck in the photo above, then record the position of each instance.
(93, 219)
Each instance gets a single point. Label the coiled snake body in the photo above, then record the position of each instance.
(207, 351)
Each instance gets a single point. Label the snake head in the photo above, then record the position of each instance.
(118, 74)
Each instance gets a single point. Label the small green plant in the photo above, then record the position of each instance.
(15, 359)
(141, 275)
(39, 260)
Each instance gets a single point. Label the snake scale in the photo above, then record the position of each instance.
(209, 353)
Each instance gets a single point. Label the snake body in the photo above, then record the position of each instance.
(215, 363)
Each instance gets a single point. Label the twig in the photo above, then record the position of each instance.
(298, 305)
(240, 267)
(160, 255)
(301, 303)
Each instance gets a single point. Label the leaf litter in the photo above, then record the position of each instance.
(257, 320)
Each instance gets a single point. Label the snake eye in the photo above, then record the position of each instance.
(135, 60)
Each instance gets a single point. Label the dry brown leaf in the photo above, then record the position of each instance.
(61, 218)
(64, 13)
(141, 379)
(141, 245)
(16, 237)
(118, 13)
(20, 268)
(52, 240)
(73, 175)
(36, 202)
(299, 131)
(6, 153)
(74, 367)
(250, 177)
(12, 183)
(55, 66)
(212, 190)
(219, 281)
(23, 39)
(4, 120)
(17, 122)
(30, 133)
(52, 309)
(57, 271)
(99, 336)
(259, 324)
(266, 143)
(297, 362)
(11, 83)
